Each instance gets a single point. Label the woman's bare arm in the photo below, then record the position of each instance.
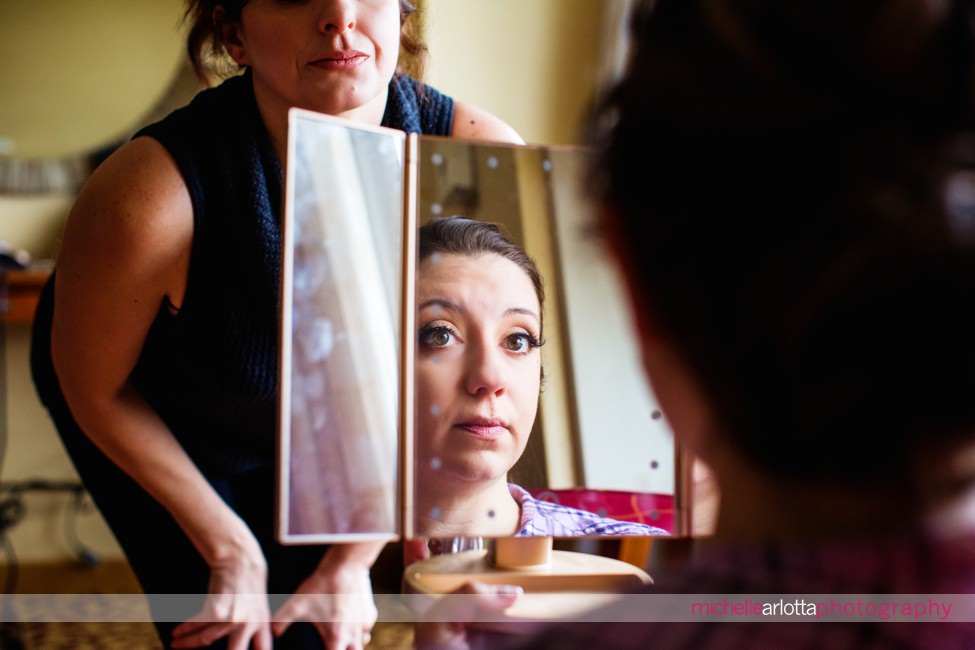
(473, 123)
(126, 247)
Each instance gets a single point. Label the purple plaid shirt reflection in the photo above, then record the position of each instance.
(554, 520)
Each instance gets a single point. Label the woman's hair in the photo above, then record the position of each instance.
(794, 192)
(204, 40)
(461, 236)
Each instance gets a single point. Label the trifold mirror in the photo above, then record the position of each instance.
(356, 457)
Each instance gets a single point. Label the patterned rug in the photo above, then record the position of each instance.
(142, 636)
(135, 633)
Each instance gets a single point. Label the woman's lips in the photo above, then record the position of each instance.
(486, 430)
(344, 60)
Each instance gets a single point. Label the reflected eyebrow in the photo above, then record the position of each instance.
(454, 307)
(524, 311)
(444, 304)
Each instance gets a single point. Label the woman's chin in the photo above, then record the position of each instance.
(464, 476)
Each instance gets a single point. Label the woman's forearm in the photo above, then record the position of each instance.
(125, 251)
(135, 438)
(358, 555)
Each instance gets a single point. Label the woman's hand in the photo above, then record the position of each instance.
(337, 598)
(236, 606)
(445, 625)
(414, 550)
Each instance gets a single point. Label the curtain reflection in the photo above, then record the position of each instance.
(343, 381)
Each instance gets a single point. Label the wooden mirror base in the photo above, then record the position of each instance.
(557, 584)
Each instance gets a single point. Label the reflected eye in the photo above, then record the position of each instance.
(436, 336)
(522, 342)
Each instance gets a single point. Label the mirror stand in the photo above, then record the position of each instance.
(556, 584)
(520, 553)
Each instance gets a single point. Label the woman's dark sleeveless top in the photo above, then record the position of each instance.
(211, 370)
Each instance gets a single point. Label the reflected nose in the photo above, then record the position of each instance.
(485, 370)
(337, 16)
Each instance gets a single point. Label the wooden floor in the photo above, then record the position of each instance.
(116, 578)
(112, 578)
(75, 578)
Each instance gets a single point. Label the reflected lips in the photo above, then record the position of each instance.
(484, 428)
(340, 60)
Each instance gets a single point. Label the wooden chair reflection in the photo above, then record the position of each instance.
(647, 508)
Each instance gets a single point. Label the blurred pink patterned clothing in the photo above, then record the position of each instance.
(938, 576)
(549, 519)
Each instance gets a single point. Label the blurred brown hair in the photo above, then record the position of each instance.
(793, 187)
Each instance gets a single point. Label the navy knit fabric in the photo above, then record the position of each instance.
(211, 370)
(417, 108)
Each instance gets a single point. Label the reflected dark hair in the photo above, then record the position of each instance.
(462, 236)
(794, 193)
(204, 39)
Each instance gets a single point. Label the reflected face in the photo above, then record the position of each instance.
(331, 56)
(478, 366)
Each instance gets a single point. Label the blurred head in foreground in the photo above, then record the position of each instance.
(790, 187)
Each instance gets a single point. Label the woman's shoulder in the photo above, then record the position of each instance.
(474, 123)
(414, 106)
(128, 233)
(135, 197)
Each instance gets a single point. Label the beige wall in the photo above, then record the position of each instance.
(533, 63)
(62, 73)
(112, 61)
(34, 452)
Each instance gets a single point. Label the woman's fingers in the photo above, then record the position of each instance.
(340, 627)
(414, 550)
(242, 618)
(284, 617)
(263, 640)
(445, 624)
(190, 627)
(239, 635)
(342, 637)
(201, 635)
(240, 638)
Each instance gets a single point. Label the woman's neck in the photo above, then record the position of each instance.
(274, 114)
(465, 509)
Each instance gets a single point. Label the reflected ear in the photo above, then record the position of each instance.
(230, 36)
